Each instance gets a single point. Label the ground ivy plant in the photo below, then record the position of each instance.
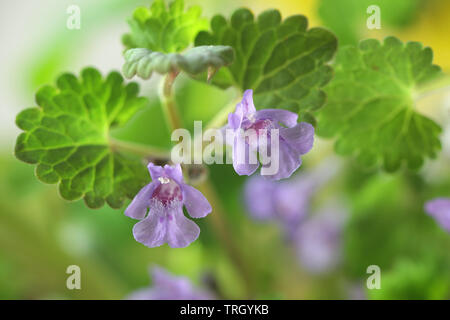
(364, 98)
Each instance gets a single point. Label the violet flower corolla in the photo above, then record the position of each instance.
(169, 287)
(283, 154)
(318, 241)
(287, 202)
(439, 209)
(163, 199)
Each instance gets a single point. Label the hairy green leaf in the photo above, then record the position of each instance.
(370, 106)
(283, 61)
(164, 29)
(67, 136)
(143, 62)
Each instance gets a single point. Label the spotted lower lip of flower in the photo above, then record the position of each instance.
(295, 139)
(163, 199)
(439, 209)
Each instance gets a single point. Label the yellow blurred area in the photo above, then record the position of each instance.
(433, 29)
(287, 8)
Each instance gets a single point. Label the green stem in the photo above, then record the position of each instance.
(218, 221)
(168, 101)
(222, 116)
(139, 149)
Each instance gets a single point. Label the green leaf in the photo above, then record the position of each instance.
(370, 107)
(164, 29)
(283, 61)
(144, 62)
(396, 13)
(67, 136)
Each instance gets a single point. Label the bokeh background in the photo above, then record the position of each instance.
(41, 234)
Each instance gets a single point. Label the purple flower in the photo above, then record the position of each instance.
(439, 209)
(294, 139)
(287, 202)
(318, 241)
(284, 202)
(165, 197)
(169, 287)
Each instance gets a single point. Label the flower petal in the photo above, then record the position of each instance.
(439, 208)
(174, 172)
(152, 230)
(235, 119)
(155, 171)
(247, 102)
(300, 137)
(196, 203)
(242, 165)
(181, 231)
(286, 117)
(137, 209)
(289, 161)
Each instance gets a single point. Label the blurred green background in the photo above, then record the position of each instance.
(41, 234)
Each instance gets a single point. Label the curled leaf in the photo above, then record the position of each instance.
(143, 62)
(283, 61)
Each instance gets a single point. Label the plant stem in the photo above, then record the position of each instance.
(216, 219)
(222, 116)
(220, 225)
(168, 101)
(139, 149)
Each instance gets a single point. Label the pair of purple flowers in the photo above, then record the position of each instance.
(165, 196)
(316, 239)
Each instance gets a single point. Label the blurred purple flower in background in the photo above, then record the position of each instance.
(169, 287)
(318, 240)
(357, 291)
(295, 139)
(165, 197)
(287, 202)
(439, 209)
(315, 237)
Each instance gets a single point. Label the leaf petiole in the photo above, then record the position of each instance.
(168, 101)
(139, 149)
